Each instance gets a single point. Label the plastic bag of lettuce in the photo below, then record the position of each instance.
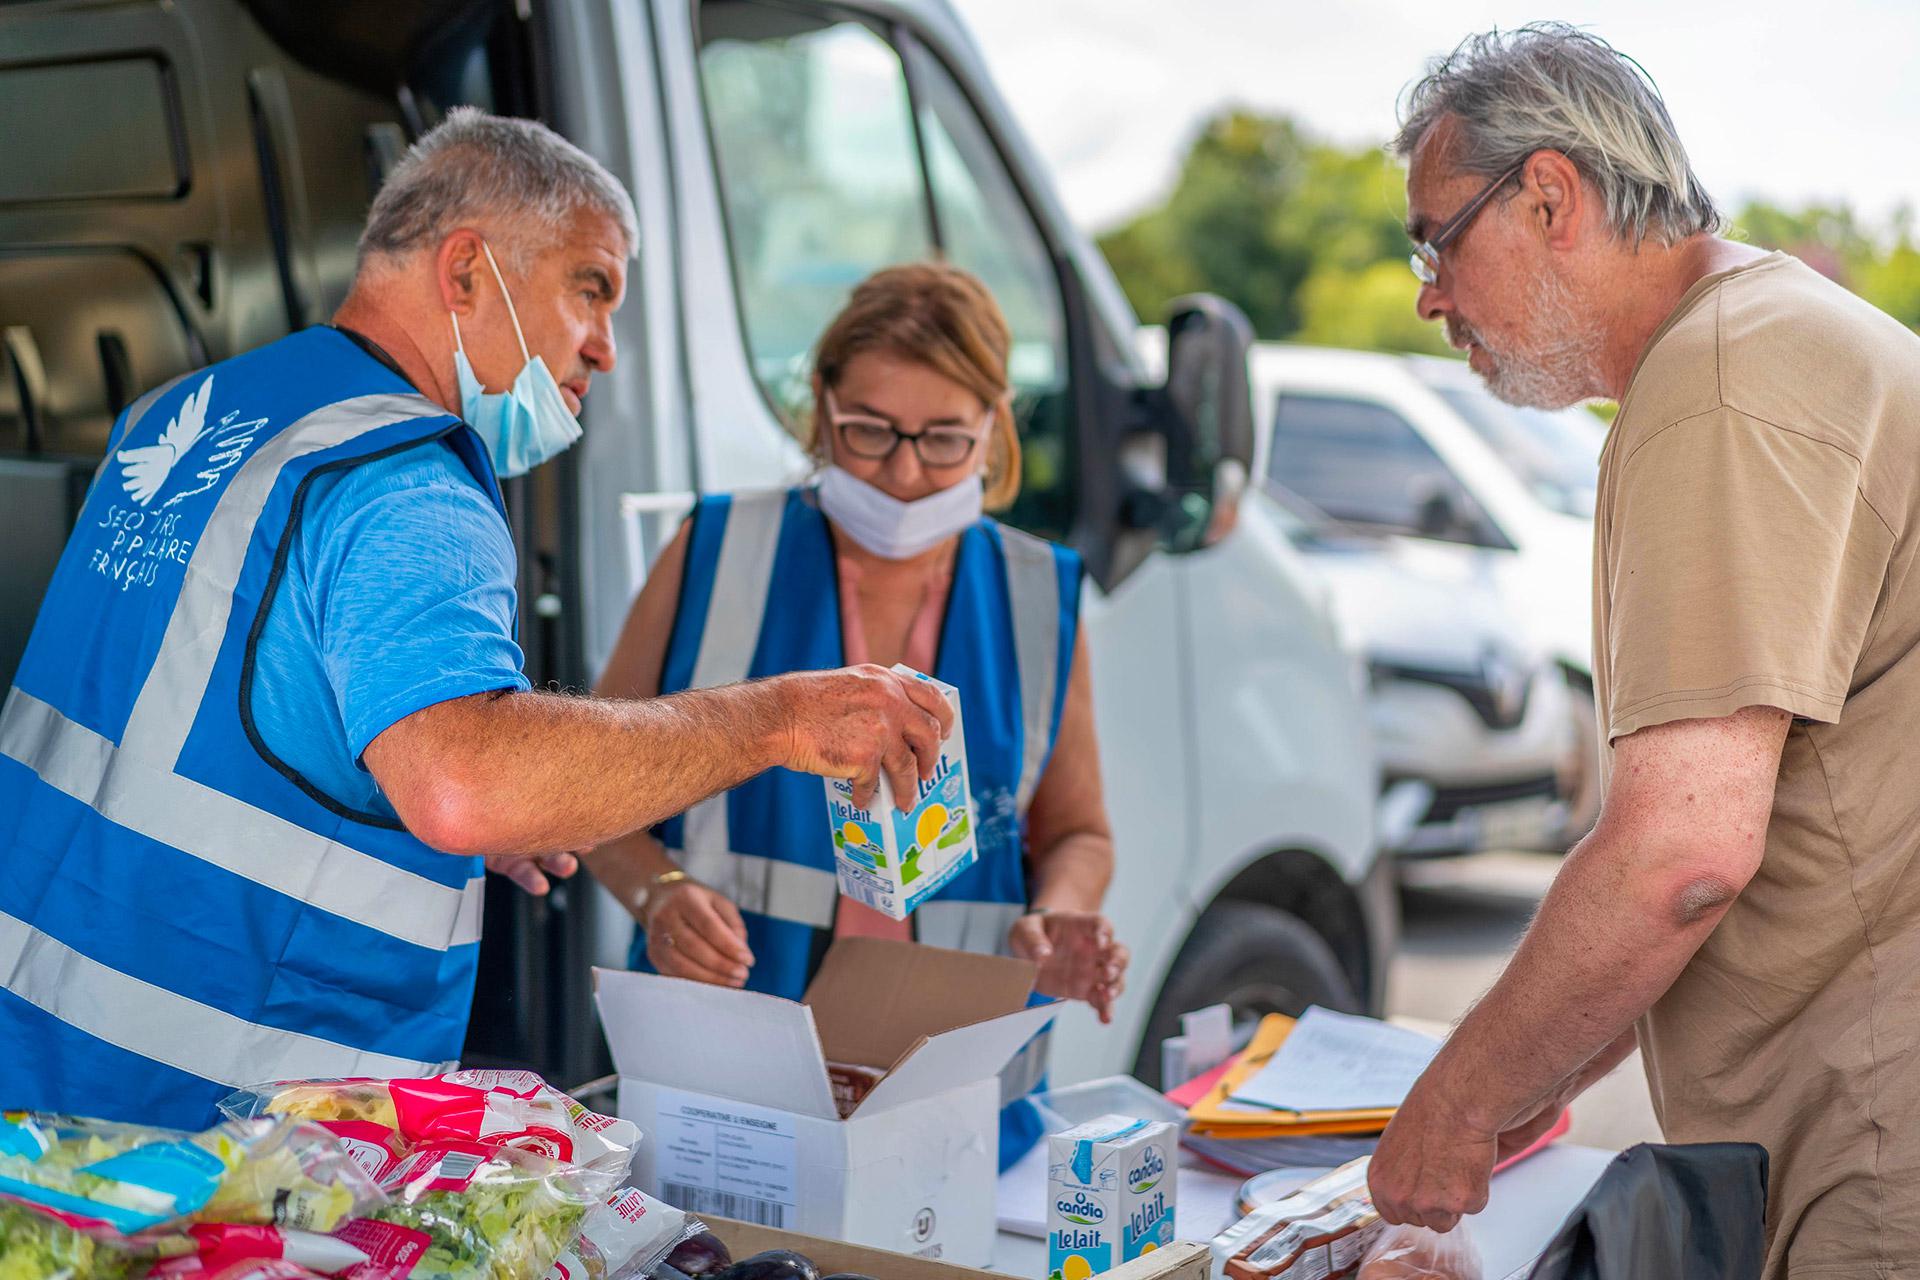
(96, 1200)
(496, 1169)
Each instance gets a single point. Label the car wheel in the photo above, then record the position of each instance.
(1255, 958)
(1581, 785)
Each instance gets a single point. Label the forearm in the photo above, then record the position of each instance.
(1072, 874)
(541, 773)
(627, 866)
(1605, 945)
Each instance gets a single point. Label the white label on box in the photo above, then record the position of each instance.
(727, 1158)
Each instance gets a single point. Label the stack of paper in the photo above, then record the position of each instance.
(1327, 1073)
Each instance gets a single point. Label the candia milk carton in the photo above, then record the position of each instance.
(893, 861)
(1110, 1194)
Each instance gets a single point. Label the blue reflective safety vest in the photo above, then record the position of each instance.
(179, 913)
(761, 597)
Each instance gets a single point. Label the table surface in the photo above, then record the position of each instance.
(1526, 1206)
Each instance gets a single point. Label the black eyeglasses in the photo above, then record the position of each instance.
(1425, 259)
(875, 439)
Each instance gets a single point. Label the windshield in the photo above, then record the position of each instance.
(1556, 454)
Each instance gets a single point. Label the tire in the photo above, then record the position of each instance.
(1257, 958)
(1582, 786)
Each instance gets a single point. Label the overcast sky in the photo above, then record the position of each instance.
(1792, 101)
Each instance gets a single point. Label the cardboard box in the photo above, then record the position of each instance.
(1182, 1261)
(732, 1091)
(1110, 1194)
(893, 861)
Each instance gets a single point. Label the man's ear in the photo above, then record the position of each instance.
(456, 270)
(1558, 202)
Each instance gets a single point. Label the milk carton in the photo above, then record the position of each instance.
(1109, 1194)
(893, 861)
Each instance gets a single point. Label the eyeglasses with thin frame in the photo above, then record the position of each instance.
(875, 439)
(1425, 259)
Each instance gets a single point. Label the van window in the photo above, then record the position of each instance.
(1363, 463)
(843, 146)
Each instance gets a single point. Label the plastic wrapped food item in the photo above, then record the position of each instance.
(94, 1200)
(496, 1170)
(117, 1182)
(34, 1246)
(851, 1084)
(625, 1236)
(1418, 1253)
(1320, 1232)
(495, 1108)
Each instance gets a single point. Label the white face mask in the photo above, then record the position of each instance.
(890, 528)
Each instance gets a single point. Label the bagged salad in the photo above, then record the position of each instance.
(95, 1200)
(494, 1170)
(627, 1235)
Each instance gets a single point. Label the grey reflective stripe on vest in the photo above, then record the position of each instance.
(134, 783)
(1024, 1071)
(167, 1027)
(959, 925)
(767, 886)
(735, 607)
(194, 818)
(1033, 582)
(169, 702)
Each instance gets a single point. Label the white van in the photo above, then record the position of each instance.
(1416, 446)
(214, 159)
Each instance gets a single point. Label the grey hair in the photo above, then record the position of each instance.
(478, 169)
(1551, 86)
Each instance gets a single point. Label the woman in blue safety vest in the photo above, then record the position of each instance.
(888, 558)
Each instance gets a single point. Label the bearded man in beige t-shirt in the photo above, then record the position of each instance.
(1747, 910)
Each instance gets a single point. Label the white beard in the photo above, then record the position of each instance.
(1560, 366)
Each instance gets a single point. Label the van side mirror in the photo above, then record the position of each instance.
(1210, 411)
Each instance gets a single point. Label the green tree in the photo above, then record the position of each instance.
(1306, 236)
(1370, 309)
(1259, 206)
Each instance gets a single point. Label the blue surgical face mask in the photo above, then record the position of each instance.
(522, 427)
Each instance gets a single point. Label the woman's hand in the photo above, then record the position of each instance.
(1078, 956)
(695, 932)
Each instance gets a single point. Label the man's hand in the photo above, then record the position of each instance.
(1077, 954)
(531, 873)
(695, 932)
(1433, 1164)
(860, 722)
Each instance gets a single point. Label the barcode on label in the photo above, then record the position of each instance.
(459, 1165)
(762, 1213)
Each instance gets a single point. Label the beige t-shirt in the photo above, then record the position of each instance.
(1759, 509)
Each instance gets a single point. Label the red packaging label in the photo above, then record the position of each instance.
(444, 1166)
(392, 1250)
(373, 1147)
(500, 1107)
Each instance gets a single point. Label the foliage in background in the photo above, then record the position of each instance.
(1306, 236)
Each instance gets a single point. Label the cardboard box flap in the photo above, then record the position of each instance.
(874, 999)
(733, 1044)
(955, 1058)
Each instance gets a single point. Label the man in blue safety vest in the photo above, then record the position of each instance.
(272, 726)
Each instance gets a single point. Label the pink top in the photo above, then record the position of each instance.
(854, 920)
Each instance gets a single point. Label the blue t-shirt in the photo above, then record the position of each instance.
(398, 593)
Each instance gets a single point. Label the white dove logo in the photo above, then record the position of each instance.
(145, 469)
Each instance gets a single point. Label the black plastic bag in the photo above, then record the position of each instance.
(1694, 1211)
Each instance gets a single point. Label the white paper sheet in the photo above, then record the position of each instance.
(1338, 1062)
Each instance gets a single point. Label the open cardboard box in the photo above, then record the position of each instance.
(733, 1093)
(1182, 1260)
